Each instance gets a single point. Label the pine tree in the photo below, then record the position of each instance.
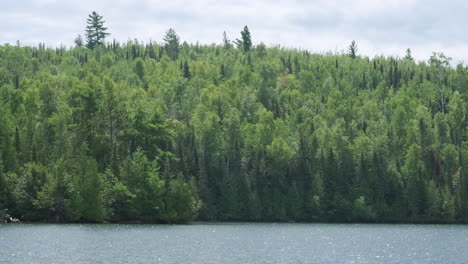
(79, 41)
(95, 30)
(246, 42)
(186, 70)
(223, 71)
(408, 55)
(226, 41)
(171, 45)
(352, 49)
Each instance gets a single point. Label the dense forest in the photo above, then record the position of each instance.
(172, 132)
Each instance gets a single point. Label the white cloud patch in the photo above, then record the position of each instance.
(379, 27)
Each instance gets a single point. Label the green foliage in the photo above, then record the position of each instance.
(352, 50)
(95, 31)
(140, 68)
(5, 194)
(186, 70)
(79, 41)
(245, 43)
(408, 55)
(181, 203)
(86, 188)
(118, 200)
(172, 133)
(361, 211)
(171, 44)
(226, 42)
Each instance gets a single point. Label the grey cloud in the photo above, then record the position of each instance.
(320, 25)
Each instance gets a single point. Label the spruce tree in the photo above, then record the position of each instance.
(408, 55)
(78, 41)
(95, 30)
(246, 42)
(352, 49)
(226, 41)
(171, 44)
(186, 70)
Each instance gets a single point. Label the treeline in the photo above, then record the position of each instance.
(175, 132)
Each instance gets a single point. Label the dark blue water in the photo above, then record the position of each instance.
(233, 243)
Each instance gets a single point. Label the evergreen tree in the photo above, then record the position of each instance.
(268, 135)
(186, 70)
(79, 41)
(352, 50)
(171, 44)
(95, 31)
(226, 41)
(408, 55)
(246, 42)
(140, 68)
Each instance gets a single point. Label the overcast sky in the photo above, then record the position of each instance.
(379, 27)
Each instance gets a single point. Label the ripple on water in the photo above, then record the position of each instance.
(233, 243)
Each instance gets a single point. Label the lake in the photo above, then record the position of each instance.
(234, 243)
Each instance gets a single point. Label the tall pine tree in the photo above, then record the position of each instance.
(171, 44)
(352, 49)
(246, 42)
(95, 30)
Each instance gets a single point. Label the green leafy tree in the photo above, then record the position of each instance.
(118, 199)
(15, 63)
(86, 201)
(132, 132)
(4, 194)
(363, 212)
(413, 170)
(140, 68)
(181, 202)
(439, 64)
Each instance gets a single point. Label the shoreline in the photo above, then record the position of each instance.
(233, 222)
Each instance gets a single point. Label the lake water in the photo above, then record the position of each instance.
(233, 243)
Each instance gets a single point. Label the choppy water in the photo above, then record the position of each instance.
(233, 243)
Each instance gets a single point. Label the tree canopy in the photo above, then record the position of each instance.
(170, 133)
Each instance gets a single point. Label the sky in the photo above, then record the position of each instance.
(379, 27)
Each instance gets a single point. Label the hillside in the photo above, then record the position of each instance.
(148, 132)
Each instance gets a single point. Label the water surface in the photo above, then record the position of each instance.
(233, 243)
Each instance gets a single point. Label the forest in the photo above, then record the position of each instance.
(174, 132)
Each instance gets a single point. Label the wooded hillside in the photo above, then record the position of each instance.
(176, 132)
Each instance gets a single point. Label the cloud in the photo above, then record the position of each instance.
(379, 27)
